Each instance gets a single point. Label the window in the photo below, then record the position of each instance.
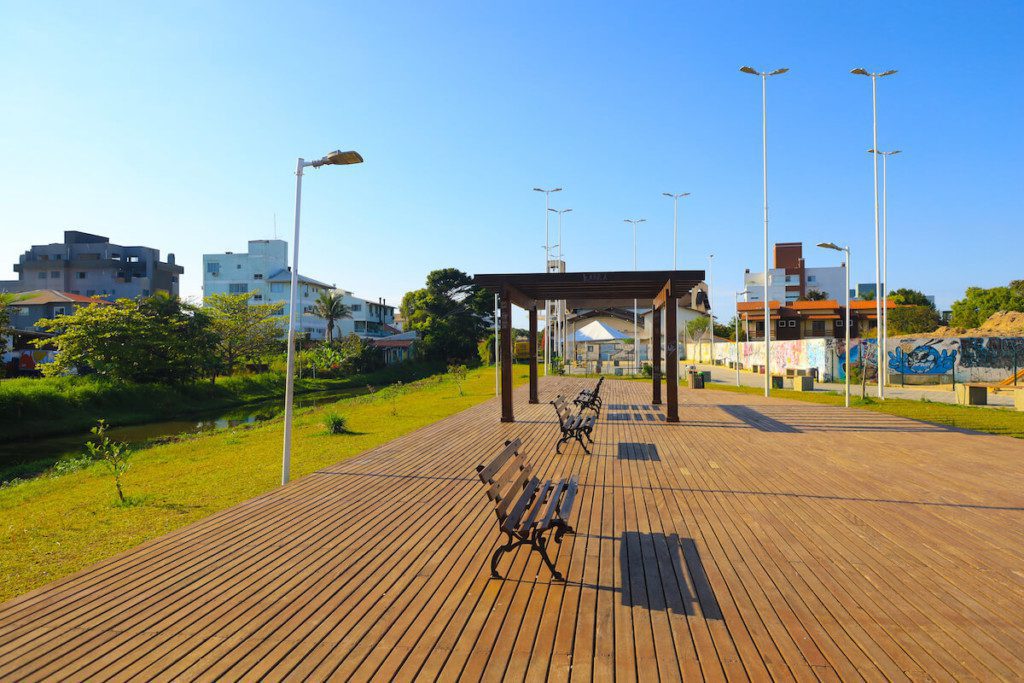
(44, 257)
(238, 267)
(42, 274)
(839, 323)
(792, 323)
(812, 278)
(132, 259)
(80, 275)
(238, 288)
(58, 257)
(212, 267)
(21, 310)
(89, 257)
(257, 276)
(782, 323)
(59, 310)
(257, 297)
(818, 328)
(360, 325)
(54, 274)
(356, 308)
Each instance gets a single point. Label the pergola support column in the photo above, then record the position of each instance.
(533, 354)
(505, 356)
(656, 361)
(671, 359)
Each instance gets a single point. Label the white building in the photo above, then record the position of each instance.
(790, 279)
(263, 271)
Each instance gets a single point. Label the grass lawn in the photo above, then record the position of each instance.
(988, 420)
(52, 526)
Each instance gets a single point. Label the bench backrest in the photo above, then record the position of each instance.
(505, 477)
(562, 409)
(597, 389)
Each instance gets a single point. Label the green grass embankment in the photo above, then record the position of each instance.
(52, 526)
(50, 406)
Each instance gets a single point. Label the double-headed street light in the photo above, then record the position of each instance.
(884, 324)
(845, 250)
(874, 145)
(547, 269)
(764, 150)
(335, 158)
(737, 333)
(711, 311)
(636, 342)
(675, 223)
(561, 304)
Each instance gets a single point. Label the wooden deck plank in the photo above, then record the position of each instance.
(759, 539)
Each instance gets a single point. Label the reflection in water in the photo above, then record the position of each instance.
(23, 459)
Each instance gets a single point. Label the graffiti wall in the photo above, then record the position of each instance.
(967, 359)
(26, 360)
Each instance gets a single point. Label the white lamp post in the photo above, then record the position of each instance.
(845, 250)
(874, 157)
(737, 334)
(636, 341)
(561, 306)
(336, 158)
(764, 152)
(885, 257)
(547, 269)
(711, 312)
(675, 223)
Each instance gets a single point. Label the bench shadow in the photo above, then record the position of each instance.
(638, 451)
(758, 420)
(663, 572)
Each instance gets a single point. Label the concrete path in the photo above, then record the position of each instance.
(944, 394)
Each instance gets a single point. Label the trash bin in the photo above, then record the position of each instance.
(696, 380)
(778, 381)
(706, 375)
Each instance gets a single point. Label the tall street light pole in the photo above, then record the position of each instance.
(561, 304)
(547, 269)
(736, 334)
(336, 158)
(885, 256)
(874, 157)
(636, 341)
(845, 250)
(675, 224)
(711, 312)
(764, 152)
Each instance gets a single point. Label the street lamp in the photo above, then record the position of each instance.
(764, 152)
(846, 250)
(547, 269)
(561, 304)
(636, 342)
(885, 256)
(711, 309)
(675, 223)
(874, 145)
(335, 158)
(737, 333)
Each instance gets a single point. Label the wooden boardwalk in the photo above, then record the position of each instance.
(755, 539)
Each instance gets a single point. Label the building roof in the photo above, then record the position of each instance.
(285, 275)
(825, 304)
(37, 297)
(593, 289)
(857, 305)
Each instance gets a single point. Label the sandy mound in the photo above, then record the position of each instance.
(999, 324)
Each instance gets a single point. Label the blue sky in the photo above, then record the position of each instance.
(177, 125)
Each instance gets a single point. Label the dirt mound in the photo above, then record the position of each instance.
(999, 324)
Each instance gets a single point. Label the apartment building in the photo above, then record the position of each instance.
(90, 265)
(809, 319)
(790, 279)
(263, 272)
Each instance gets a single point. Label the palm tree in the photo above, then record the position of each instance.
(331, 307)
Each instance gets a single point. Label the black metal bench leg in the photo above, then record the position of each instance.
(562, 529)
(501, 550)
(539, 545)
(583, 444)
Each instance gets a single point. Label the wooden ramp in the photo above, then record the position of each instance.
(755, 539)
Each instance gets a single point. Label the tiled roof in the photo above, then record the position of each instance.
(39, 297)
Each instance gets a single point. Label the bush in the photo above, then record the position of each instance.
(335, 424)
(646, 370)
(116, 455)
(458, 375)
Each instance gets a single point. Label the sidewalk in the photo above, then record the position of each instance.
(943, 394)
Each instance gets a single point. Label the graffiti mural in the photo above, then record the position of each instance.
(925, 359)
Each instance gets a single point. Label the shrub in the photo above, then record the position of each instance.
(458, 375)
(335, 424)
(115, 455)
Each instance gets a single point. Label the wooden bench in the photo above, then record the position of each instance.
(573, 426)
(526, 508)
(590, 398)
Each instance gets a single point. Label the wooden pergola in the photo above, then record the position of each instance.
(657, 289)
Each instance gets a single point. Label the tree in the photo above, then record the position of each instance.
(157, 339)
(979, 303)
(697, 327)
(909, 297)
(5, 319)
(814, 295)
(450, 313)
(331, 307)
(244, 331)
(913, 319)
(733, 327)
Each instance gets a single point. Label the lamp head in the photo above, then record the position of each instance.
(830, 245)
(890, 72)
(778, 71)
(749, 70)
(860, 71)
(339, 158)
